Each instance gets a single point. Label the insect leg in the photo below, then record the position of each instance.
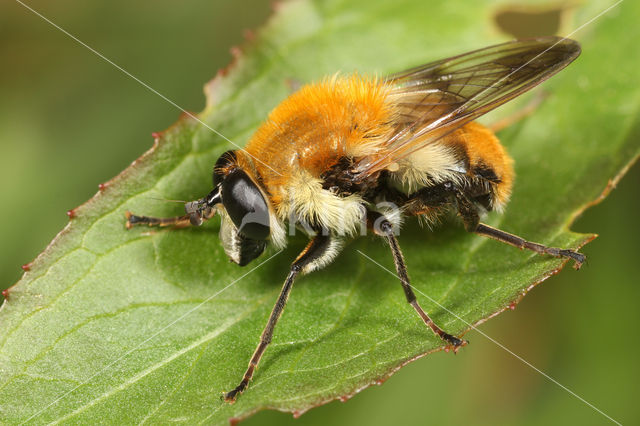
(469, 213)
(197, 212)
(318, 247)
(430, 198)
(177, 221)
(427, 200)
(384, 228)
(521, 243)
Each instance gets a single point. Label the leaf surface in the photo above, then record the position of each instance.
(138, 326)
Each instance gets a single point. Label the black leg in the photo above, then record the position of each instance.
(315, 250)
(468, 211)
(428, 200)
(469, 214)
(521, 243)
(385, 229)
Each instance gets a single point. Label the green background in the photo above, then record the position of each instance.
(60, 106)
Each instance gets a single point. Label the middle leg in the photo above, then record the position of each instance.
(384, 228)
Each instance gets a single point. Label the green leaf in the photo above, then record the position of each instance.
(124, 326)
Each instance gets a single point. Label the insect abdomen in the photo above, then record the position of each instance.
(489, 162)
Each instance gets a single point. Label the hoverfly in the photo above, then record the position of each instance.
(332, 150)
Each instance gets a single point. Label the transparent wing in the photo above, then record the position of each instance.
(437, 98)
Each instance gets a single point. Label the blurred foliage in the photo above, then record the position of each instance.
(61, 104)
(59, 107)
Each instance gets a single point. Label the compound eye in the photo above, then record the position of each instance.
(245, 205)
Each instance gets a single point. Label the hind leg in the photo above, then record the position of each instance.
(469, 214)
(447, 194)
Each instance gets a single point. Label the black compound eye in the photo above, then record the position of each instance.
(245, 205)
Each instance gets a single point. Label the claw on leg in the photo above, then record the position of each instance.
(455, 343)
(230, 397)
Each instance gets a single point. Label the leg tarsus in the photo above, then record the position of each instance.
(177, 221)
(196, 212)
(230, 397)
(192, 218)
(577, 257)
(455, 343)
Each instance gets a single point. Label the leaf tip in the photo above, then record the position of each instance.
(26, 267)
(71, 213)
(5, 293)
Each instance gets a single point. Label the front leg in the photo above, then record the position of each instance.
(196, 212)
(320, 250)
